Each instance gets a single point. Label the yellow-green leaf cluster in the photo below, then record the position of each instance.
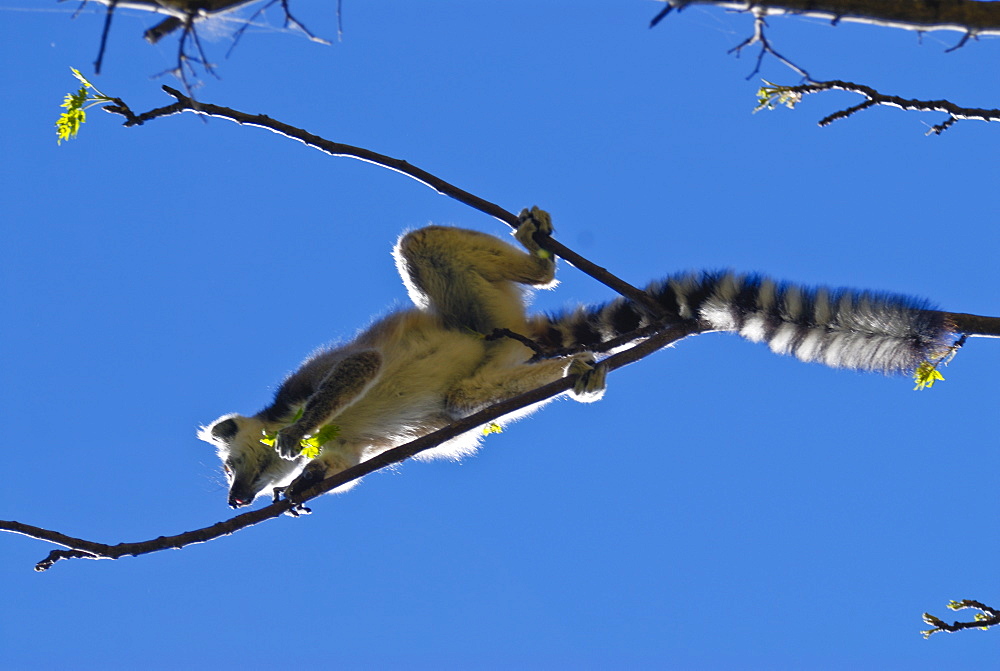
(69, 122)
(311, 445)
(76, 104)
(771, 95)
(492, 427)
(926, 375)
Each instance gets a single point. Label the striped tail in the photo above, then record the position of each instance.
(841, 328)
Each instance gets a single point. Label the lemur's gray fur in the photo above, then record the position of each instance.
(419, 369)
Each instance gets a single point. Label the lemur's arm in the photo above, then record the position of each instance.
(343, 385)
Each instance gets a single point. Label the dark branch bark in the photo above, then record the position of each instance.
(187, 104)
(84, 549)
(967, 16)
(759, 37)
(180, 8)
(986, 618)
(975, 325)
(771, 96)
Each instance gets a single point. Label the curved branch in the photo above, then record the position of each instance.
(967, 16)
(187, 104)
(84, 549)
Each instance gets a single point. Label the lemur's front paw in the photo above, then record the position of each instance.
(288, 442)
(592, 380)
(314, 472)
(530, 222)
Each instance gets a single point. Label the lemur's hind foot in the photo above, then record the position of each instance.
(592, 380)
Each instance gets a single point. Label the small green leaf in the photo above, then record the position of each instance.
(325, 435)
(492, 427)
(926, 375)
(83, 80)
(69, 122)
(311, 445)
(771, 95)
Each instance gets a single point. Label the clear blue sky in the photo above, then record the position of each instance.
(722, 508)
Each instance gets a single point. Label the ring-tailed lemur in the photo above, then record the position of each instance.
(418, 369)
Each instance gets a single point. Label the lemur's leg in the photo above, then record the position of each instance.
(471, 278)
(493, 384)
(343, 385)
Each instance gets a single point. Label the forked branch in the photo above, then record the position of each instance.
(184, 15)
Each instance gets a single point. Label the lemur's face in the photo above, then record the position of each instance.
(252, 468)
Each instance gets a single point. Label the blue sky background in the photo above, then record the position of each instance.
(721, 508)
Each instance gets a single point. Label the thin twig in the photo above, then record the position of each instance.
(986, 618)
(873, 98)
(290, 20)
(246, 24)
(104, 35)
(758, 37)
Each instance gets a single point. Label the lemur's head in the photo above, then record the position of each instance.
(252, 468)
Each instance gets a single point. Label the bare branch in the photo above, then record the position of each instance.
(967, 16)
(771, 95)
(84, 549)
(104, 35)
(974, 325)
(187, 104)
(984, 619)
(184, 15)
(290, 20)
(179, 8)
(758, 37)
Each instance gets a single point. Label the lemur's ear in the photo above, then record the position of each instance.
(225, 429)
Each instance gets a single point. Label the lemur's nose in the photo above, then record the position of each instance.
(237, 502)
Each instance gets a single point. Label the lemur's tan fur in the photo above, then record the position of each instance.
(410, 373)
(419, 369)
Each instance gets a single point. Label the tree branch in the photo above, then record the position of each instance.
(974, 325)
(984, 619)
(84, 549)
(112, 4)
(179, 8)
(758, 37)
(771, 95)
(186, 104)
(967, 16)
